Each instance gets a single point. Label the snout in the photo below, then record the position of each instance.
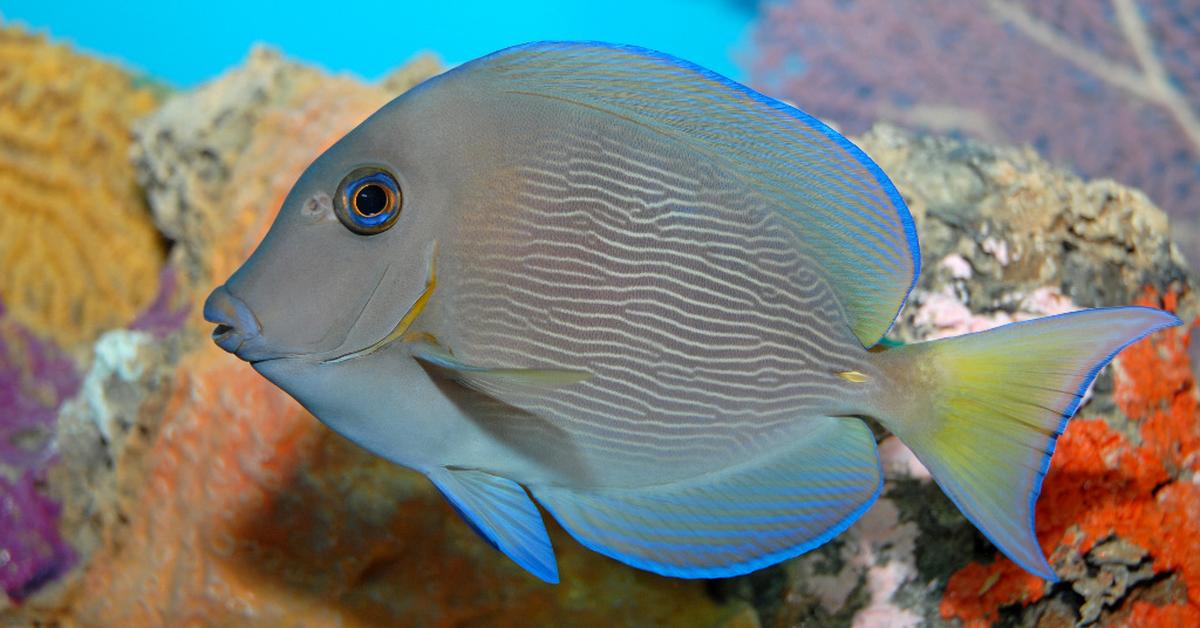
(237, 328)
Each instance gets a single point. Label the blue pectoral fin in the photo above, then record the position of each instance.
(735, 520)
(502, 513)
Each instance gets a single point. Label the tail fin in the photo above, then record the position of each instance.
(983, 411)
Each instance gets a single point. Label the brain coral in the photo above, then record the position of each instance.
(68, 198)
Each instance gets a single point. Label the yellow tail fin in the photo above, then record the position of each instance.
(983, 411)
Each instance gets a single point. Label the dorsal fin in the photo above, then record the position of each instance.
(847, 215)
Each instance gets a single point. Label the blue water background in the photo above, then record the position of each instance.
(186, 43)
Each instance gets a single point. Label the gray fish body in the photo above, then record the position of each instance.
(709, 335)
(583, 243)
(643, 295)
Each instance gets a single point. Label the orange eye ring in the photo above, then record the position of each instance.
(368, 200)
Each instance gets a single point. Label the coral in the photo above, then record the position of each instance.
(35, 378)
(1111, 88)
(943, 315)
(31, 550)
(68, 198)
(169, 310)
(1103, 484)
(1149, 615)
(1065, 242)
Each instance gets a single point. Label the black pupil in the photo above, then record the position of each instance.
(371, 199)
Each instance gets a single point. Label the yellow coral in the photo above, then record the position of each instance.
(77, 246)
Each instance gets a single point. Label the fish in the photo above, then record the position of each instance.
(654, 301)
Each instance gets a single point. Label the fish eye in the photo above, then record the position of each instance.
(368, 200)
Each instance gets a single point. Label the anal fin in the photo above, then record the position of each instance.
(736, 520)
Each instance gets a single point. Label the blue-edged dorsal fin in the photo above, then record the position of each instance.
(737, 520)
(490, 379)
(502, 513)
(847, 216)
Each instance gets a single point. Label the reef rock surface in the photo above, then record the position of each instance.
(193, 491)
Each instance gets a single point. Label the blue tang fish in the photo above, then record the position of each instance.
(651, 299)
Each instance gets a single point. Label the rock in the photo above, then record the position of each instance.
(217, 162)
(1009, 236)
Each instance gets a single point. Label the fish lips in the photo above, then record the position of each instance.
(238, 330)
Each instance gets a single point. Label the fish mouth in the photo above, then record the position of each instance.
(237, 328)
(221, 331)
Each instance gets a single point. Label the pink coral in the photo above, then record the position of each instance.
(1112, 88)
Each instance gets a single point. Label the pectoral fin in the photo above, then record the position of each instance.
(485, 379)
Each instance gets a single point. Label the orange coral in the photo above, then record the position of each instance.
(1147, 615)
(1100, 484)
(251, 511)
(976, 592)
(68, 197)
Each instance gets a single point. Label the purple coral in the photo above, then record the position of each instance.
(1111, 88)
(35, 378)
(165, 315)
(32, 552)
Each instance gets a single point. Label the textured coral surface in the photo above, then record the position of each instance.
(79, 251)
(1110, 87)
